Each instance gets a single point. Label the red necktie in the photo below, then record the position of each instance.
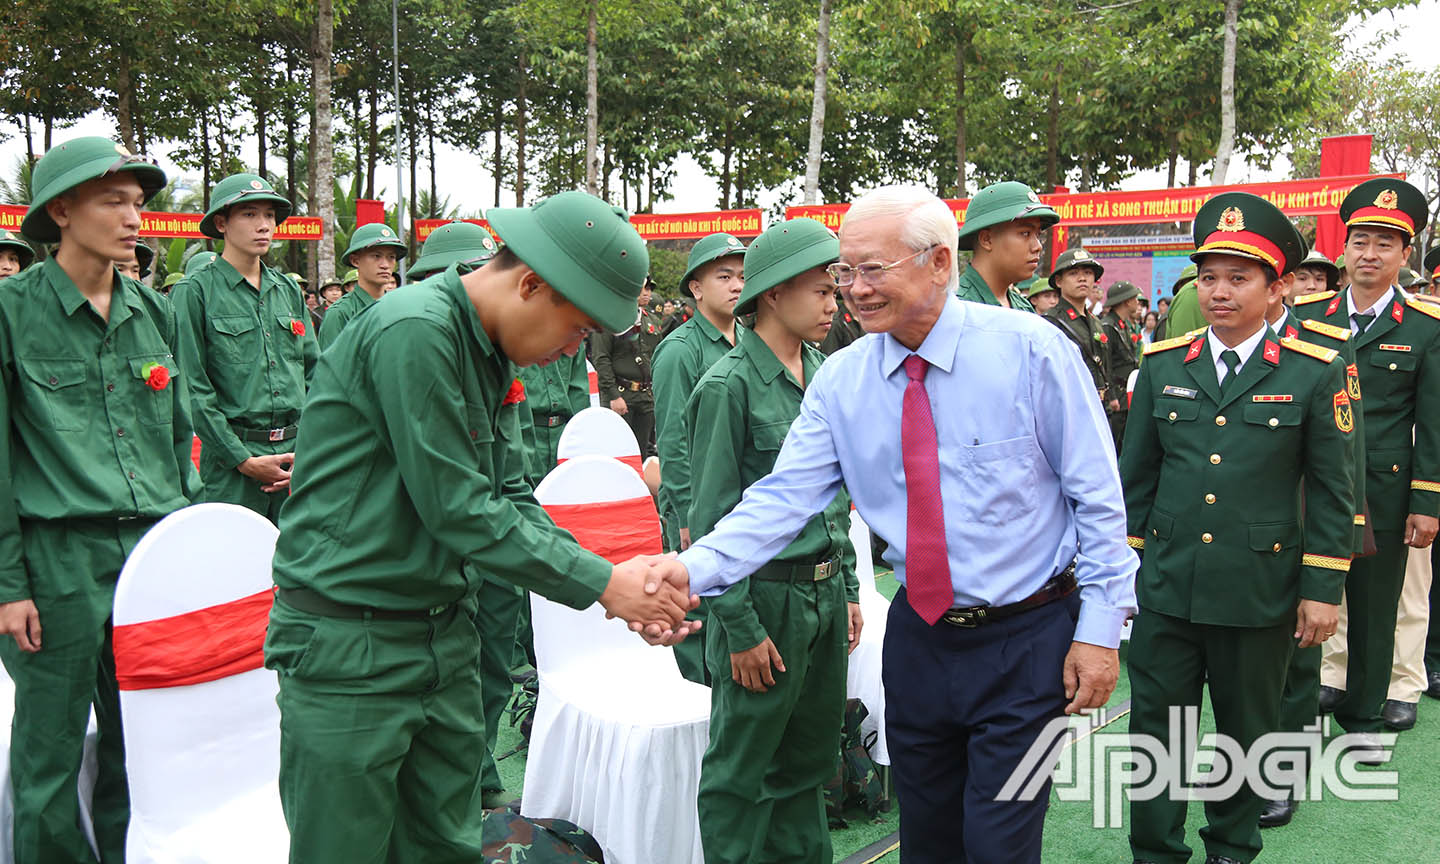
(927, 563)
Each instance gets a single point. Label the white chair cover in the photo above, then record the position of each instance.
(593, 382)
(618, 733)
(204, 759)
(863, 678)
(599, 432)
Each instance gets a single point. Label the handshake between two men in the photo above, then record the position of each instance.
(651, 593)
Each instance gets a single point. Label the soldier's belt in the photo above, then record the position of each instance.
(633, 386)
(779, 571)
(1059, 586)
(305, 600)
(283, 433)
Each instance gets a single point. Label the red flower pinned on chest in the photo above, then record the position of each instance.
(516, 393)
(297, 327)
(1104, 339)
(1135, 337)
(156, 376)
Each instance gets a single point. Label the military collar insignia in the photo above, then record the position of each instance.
(1231, 220)
(1272, 352)
(1397, 311)
(1387, 200)
(1071, 313)
(1195, 348)
(1334, 305)
(1291, 332)
(1182, 392)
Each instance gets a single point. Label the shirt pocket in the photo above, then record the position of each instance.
(1394, 362)
(287, 341)
(155, 407)
(53, 393)
(234, 339)
(769, 437)
(1282, 417)
(997, 480)
(1174, 410)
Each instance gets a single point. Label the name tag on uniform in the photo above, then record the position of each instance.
(1277, 397)
(1182, 392)
(1387, 347)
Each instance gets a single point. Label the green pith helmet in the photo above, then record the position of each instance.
(1120, 292)
(370, 236)
(18, 246)
(299, 279)
(1072, 258)
(1432, 262)
(198, 260)
(351, 277)
(454, 243)
(242, 189)
(1034, 287)
(1340, 262)
(582, 247)
(784, 251)
(711, 247)
(1405, 277)
(172, 280)
(144, 256)
(67, 165)
(1386, 203)
(1316, 259)
(999, 203)
(1186, 276)
(1246, 226)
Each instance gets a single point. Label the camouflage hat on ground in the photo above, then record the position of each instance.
(21, 249)
(1073, 258)
(67, 165)
(369, 237)
(463, 243)
(709, 248)
(784, 251)
(1246, 226)
(198, 260)
(242, 189)
(999, 203)
(1120, 292)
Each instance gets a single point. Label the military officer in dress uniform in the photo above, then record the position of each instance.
(375, 253)
(778, 639)
(94, 449)
(1122, 307)
(247, 349)
(15, 254)
(1397, 352)
(1075, 276)
(409, 464)
(1224, 429)
(622, 370)
(1005, 227)
(463, 243)
(1432, 269)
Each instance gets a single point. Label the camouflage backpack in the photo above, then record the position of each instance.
(857, 779)
(510, 838)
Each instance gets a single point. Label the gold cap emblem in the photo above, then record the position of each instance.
(1387, 200)
(1231, 220)
(1081, 254)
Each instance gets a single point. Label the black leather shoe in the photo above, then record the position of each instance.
(1329, 698)
(1433, 691)
(1277, 813)
(1220, 859)
(1399, 716)
(1367, 750)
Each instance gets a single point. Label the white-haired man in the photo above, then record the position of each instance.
(960, 421)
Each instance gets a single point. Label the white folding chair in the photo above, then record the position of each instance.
(618, 733)
(203, 759)
(599, 432)
(593, 382)
(863, 679)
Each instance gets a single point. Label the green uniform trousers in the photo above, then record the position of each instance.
(381, 727)
(1300, 701)
(226, 485)
(73, 565)
(1432, 637)
(1372, 592)
(640, 414)
(691, 655)
(495, 618)
(761, 793)
(1171, 663)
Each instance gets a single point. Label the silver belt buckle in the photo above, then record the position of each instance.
(277, 434)
(964, 617)
(552, 420)
(823, 571)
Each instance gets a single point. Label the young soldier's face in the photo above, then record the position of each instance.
(331, 293)
(645, 293)
(668, 308)
(101, 216)
(545, 326)
(718, 285)
(1076, 285)
(1129, 310)
(1374, 256)
(9, 263)
(129, 268)
(1044, 301)
(376, 266)
(248, 227)
(805, 305)
(312, 302)
(1016, 247)
(1234, 295)
(1308, 280)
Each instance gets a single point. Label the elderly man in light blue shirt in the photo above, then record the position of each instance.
(1027, 508)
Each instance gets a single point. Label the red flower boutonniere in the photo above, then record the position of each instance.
(1104, 340)
(516, 394)
(1135, 337)
(297, 327)
(156, 376)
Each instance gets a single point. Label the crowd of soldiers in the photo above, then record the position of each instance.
(104, 380)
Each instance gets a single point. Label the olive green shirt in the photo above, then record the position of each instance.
(84, 434)
(680, 361)
(1184, 315)
(337, 316)
(248, 354)
(974, 288)
(410, 462)
(621, 357)
(554, 393)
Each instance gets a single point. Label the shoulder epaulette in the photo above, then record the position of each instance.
(1324, 355)
(1340, 333)
(1196, 332)
(1313, 298)
(1167, 344)
(1424, 307)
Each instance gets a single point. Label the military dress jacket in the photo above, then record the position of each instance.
(1089, 336)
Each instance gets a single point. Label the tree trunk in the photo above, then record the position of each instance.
(292, 251)
(499, 153)
(124, 85)
(205, 158)
(49, 129)
(1085, 173)
(373, 144)
(1226, 146)
(262, 91)
(962, 44)
(413, 139)
(220, 146)
(605, 175)
(434, 192)
(1174, 159)
(1194, 172)
(29, 141)
(1052, 133)
(520, 121)
(817, 106)
(592, 102)
(725, 166)
(321, 145)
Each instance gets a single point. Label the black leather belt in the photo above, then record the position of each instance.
(549, 420)
(633, 386)
(314, 603)
(1059, 586)
(779, 571)
(284, 433)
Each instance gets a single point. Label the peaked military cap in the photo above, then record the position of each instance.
(999, 203)
(1386, 203)
(1432, 262)
(67, 165)
(711, 247)
(1246, 226)
(242, 189)
(1072, 258)
(784, 251)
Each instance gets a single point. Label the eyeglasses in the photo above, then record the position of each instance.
(131, 159)
(872, 272)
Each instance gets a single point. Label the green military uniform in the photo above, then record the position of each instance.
(1083, 328)
(844, 330)
(248, 352)
(555, 392)
(358, 300)
(972, 287)
(96, 448)
(410, 463)
(622, 369)
(463, 243)
(995, 205)
(198, 260)
(1121, 339)
(1212, 476)
(762, 777)
(1398, 359)
(679, 361)
(22, 250)
(1184, 315)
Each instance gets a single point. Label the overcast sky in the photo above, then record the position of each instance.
(471, 187)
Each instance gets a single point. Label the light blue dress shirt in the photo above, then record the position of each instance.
(1028, 476)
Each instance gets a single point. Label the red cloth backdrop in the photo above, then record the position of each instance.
(1340, 155)
(615, 530)
(204, 645)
